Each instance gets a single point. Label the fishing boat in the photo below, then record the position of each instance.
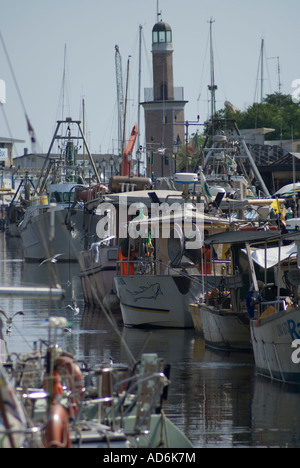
(222, 316)
(98, 263)
(274, 329)
(58, 225)
(159, 272)
(55, 224)
(72, 405)
(232, 180)
(226, 161)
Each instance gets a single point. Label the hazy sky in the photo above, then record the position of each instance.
(37, 32)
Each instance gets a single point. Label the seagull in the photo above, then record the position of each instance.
(51, 259)
(74, 307)
(9, 320)
(68, 329)
(3, 349)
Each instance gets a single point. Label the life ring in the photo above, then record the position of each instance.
(53, 386)
(57, 433)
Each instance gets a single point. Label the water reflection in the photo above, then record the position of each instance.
(215, 398)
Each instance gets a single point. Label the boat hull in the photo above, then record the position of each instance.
(272, 339)
(225, 329)
(97, 276)
(195, 314)
(156, 300)
(69, 234)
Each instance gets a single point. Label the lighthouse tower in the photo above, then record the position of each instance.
(163, 106)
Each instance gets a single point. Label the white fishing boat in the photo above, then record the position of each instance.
(272, 341)
(225, 329)
(224, 318)
(55, 224)
(275, 329)
(160, 273)
(54, 228)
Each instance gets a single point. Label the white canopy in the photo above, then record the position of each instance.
(261, 256)
(287, 190)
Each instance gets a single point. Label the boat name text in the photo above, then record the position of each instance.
(289, 327)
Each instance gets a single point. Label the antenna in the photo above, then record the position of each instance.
(158, 13)
(279, 92)
(278, 72)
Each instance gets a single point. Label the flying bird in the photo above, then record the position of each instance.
(74, 307)
(9, 320)
(53, 259)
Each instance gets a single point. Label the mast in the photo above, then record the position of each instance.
(83, 119)
(124, 156)
(120, 97)
(262, 70)
(212, 87)
(139, 84)
(63, 85)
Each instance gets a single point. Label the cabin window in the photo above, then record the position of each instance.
(62, 197)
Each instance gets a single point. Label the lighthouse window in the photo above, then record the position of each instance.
(162, 36)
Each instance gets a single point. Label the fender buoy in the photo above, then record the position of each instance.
(92, 193)
(57, 434)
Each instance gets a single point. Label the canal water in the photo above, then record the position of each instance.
(215, 398)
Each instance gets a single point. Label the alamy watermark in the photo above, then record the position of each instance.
(296, 353)
(296, 92)
(137, 220)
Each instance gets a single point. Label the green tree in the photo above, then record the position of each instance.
(277, 111)
(188, 156)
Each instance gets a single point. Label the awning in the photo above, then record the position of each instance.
(288, 191)
(261, 256)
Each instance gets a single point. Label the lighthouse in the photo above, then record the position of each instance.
(163, 107)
